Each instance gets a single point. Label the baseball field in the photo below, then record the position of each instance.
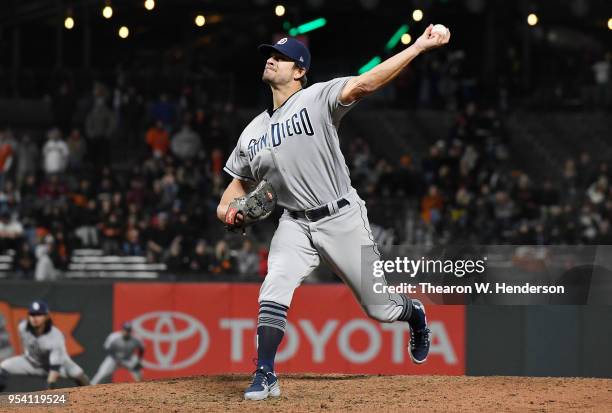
(312, 392)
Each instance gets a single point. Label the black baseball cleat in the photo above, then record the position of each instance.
(419, 333)
(264, 384)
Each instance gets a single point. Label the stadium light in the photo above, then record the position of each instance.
(107, 11)
(394, 40)
(532, 19)
(279, 10)
(406, 38)
(417, 15)
(308, 27)
(69, 23)
(200, 20)
(149, 4)
(610, 23)
(124, 32)
(368, 66)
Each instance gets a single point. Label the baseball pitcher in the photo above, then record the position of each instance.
(44, 351)
(291, 153)
(124, 350)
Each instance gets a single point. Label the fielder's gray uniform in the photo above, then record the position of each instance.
(41, 354)
(296, 149)
(121, 353)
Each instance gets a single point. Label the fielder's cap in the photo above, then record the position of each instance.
(38, 307)
(290, 47)
(127, 326)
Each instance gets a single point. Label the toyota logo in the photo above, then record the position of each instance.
(167, 330)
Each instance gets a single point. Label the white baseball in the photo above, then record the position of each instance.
(440, 29)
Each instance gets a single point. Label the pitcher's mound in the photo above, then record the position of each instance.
(312, 392)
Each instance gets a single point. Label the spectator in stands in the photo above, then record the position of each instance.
(185, 226)
(6, 154)
(52, 189)
(431, 164)
(55, 153)
(45, 268)
(99, 126)
(11, 232)
(217, 162)
(136, 194)
(589, 221)
(200, 259)
(25, 261)
(85, 222)
(525, 198)
(431, 206)
(168, 189)
(9, 197)
(60, 254)
(584, 171)
(186, 144)
(132, 245)
(175, 260)
(110, 229)
(570, 179)
(222, 260)
(503, 210)
(28, 192)
(164, 110)
(247, 260)
(160, 237)
(27, 158)
(604, 237)
(77, 149)
(158, 139)
(597, 190)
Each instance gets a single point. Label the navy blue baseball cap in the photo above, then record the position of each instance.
(38, 307)
(127, 326)
(290, 47)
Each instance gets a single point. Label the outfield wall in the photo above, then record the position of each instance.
(209, 328)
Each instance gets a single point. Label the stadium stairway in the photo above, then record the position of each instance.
(6, 263)
(92, 263)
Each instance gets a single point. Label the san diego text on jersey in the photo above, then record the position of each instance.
(296, 124)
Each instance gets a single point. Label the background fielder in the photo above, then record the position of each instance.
(294, 146)
(44, 351)
(124, 350)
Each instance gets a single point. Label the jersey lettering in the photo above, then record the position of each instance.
(306, 121)
(297, 124)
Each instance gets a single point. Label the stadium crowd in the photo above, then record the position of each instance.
(142, 177)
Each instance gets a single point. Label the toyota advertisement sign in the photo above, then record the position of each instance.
(191, 329)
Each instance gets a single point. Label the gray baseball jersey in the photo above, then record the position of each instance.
(121, 353)
(46, 350)
(120, 348)
(296, 148)
(40, 353)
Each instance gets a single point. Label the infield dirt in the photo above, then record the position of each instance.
(313, 392)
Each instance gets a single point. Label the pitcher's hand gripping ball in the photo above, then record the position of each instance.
(255, 206)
